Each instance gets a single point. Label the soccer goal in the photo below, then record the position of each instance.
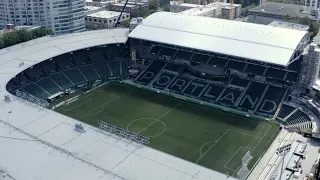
(244, 171)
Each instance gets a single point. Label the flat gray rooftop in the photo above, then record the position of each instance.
(281, 9)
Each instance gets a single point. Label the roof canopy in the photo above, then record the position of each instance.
(257, 42)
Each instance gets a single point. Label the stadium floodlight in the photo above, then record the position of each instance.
(282, 151)
(123, 133)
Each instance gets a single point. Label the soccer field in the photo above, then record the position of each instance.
(208, 137)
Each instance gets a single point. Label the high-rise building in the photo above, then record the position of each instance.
(62, 16)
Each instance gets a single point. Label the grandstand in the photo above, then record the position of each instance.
(205, 62)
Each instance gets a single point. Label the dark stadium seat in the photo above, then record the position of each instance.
(218, 61)
(179, 84)
(201, 58)
(229, 96)
(11, 86)
(285, 111)
(211, 93)
(163, 80)
(185, 55)
(292, 77)
(236, 65)
(252, 95)
(75, 76)
(167, 51)
(272, 99)
(80, 57)
(275, 73)
(294, 66)
(255, 69)
(195, 88)
(89, 72)
(298, 117)
(36, 91)
(61, 80)
(173, 67)
(151, 72)
(64, 61)
(115, 68)
(112, 52)
(21, 79)
(48, 66)
(155, 49)
(102, 69)
(239, 82)
(48, 85)
(96, 55)
(124, 67)
(33, 72)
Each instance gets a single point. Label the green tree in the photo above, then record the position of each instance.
(149, 13)
(154, 4)
(10, 38)
(313, 29)
(305, 21)
(1, 43)
(125, 23)
(24, 35)
(166, 8)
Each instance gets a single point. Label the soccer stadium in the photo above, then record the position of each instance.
(175, 97)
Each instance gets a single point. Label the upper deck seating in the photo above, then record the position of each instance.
(61, 80)
(236, 65)
(218, 61)
(64, 61)
(89, 72)
(35, 90)
(200, 58)
(115, 68)
(48, 85)
(75, 76)
(255, 69)
(185, 55)
(102, 69)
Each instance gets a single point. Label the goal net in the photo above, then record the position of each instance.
(244, 171)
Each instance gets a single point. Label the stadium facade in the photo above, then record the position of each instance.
(246, 68)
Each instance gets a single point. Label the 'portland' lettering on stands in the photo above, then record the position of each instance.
(148, 75)
(208, 95)
(179, 83)
(268, 106)
(249, 99)
(196, 85)
(229, 97)
(163, 80)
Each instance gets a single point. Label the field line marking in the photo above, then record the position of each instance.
(70, 109)
(160, 117)
(232, 156)
(88, 113)
(212, 146)
(246, 134)
(262, 138)
(204, 145)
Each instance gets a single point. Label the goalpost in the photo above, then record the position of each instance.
(244, 171)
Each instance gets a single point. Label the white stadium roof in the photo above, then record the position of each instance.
(257, 42)
(38, 143)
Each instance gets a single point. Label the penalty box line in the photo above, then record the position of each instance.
(252, 149)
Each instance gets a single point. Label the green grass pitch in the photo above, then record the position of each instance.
(209, 137)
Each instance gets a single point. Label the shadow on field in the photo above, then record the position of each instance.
(220, 116)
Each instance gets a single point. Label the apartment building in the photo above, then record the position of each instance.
(61, 16)
(104, 19)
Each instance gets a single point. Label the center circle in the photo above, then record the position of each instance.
(149, 127)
